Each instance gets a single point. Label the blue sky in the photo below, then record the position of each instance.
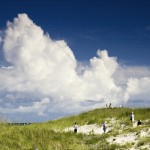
(121, 27)
(63, 57)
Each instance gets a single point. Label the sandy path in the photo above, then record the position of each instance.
(88, 129)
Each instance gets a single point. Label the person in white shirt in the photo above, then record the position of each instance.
(132, 117)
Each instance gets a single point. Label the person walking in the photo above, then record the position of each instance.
(132, 118)
(75, 127)
(104, 127)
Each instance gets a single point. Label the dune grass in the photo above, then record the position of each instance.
(98, 116)
(50, 135)
(143, 141)
(30, 137)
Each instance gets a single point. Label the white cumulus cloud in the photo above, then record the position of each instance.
(41, 67)
(138, 89)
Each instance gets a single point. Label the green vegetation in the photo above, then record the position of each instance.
(143, 141)
(50, 135)
(98, 116)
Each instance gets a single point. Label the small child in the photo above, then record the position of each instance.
(139, 122)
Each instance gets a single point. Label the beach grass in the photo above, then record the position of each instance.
(51, 136)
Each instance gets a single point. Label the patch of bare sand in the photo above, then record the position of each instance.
(89, 129)
(131, 138)
(122, 139)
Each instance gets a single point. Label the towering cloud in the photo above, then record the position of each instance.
(42, 70)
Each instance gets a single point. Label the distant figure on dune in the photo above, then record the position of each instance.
(75, 127)
(104, 127)
(110, 105)
(131, 107)
(121, 106)
(132, 117)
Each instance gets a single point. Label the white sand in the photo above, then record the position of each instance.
(122, 139)
(89, 129)
(131, 138)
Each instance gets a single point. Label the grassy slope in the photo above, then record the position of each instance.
(45, 137)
